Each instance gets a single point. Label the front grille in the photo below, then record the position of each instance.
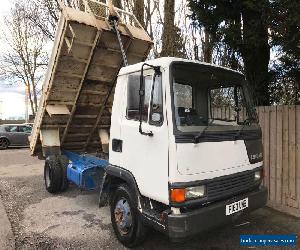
(224, 187)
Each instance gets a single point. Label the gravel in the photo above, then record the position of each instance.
(43, 221)
(72, 220)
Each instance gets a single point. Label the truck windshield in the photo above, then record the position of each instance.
(207, 98)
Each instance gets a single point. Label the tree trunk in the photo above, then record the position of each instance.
(256, 50)
(168, 28)
(34, 96)
(139, 10)
(30, 98)
(207, 47)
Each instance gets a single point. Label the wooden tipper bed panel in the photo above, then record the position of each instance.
(79, 84)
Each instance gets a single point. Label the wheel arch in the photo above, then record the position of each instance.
(117, 175)
(5, 137)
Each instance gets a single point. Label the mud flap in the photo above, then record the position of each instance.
(104, 191)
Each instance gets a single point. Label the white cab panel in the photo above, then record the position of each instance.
(116, 118)
(209, 160)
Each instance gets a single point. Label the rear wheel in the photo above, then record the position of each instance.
(53, 174)
(64, 161)
(125, 217)
(4, 143)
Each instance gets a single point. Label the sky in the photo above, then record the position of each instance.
(11, 97)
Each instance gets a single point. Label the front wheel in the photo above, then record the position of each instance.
(125, 217)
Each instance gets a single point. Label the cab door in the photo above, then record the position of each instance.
(146, 157)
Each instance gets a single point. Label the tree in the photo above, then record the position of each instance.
(26, 58)
(45, 17)
(139, 11)
(242, 26)
(172, 44)
(47, 13)
(285, 35)
(168, 28)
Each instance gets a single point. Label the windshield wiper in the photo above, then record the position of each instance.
(198, 137)
(245, 123)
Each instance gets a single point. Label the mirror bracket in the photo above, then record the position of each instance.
(157, 71)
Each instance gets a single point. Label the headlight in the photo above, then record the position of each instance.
(195, 192)
(189, 193)
(257, 175)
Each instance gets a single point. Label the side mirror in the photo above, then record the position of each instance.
(156, 117)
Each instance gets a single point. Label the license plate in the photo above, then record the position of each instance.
(236, 206)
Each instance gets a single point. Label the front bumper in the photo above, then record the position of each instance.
(187, 224)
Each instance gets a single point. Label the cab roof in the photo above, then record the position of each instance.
(166, 61)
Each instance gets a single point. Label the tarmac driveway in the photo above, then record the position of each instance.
(72, 220)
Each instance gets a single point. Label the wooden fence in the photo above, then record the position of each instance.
(281, 138)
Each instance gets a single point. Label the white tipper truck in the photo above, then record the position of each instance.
(172, 144)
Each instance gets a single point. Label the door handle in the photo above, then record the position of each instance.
(117, 145)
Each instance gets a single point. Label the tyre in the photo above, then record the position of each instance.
(4, 143)
(64, 161)
(53, 174)
(125, 217)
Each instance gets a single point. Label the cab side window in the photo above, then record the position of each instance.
(133, 97)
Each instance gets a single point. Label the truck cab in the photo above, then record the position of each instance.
(185, 149)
